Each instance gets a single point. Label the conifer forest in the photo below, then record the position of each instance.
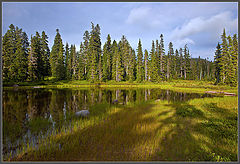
(31, 59)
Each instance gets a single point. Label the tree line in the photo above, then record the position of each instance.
(117, 61)
(226, 60)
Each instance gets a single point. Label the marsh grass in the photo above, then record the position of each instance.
(176, 85)
(38, 124)
(197, 130)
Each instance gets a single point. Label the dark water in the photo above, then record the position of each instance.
(32, 114)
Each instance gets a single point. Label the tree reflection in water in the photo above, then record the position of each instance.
(32, 113)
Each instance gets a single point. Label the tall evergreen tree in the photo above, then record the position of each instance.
(224, 57)
(86, 55)
(146, 64)
(56, 58)
(216, 62)
(74, 64)
(154, 64)
(170, 61)
(162, 57)
(35, 66)
(186, 62)
(234, 56)
(200, 69)
(81, 63)
(94, 53)
(107, 59)
(60, 69)
(139, 62)
(117, 72)
(178, 64)
(230, 75)
(21, 56)
(124, 48)
(68, 62)
(132, 62)
(181, 62)
(15, 54)
(45, 53)
(8, 51)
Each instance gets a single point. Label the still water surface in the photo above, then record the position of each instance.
(32, 114)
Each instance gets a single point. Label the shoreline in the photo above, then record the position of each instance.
(176, 86)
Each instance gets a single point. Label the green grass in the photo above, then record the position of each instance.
(197, 130)
(176, 85)
(38, 124)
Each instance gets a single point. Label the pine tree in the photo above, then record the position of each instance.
(132, 61)
(139, 62)
(225, 61)
(124, 48)
(157, 53)
(56, 58)
(35, 66)
(86, 55)
(153, 66)
(81, 63)
(94, 54)
(178, 65)
(186, 62)
(117, 72)
(74, 62)
(100, 68)
(38, 51)
(107, 59)
(162, 58)
(216, 63)
(234, 57)
(181, 62)
(45, 54)
(68, 62)
(15, 55)
(230, 75)
(171, 61)
(8, 51)
(21, 56)
(114, 48)
(60, 69)
(224, 57)
(200, 69)
(99, 52)
(146, 64)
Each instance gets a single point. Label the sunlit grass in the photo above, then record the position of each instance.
(176, 85)
(198, 130)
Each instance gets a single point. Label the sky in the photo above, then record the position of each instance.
(199, 25)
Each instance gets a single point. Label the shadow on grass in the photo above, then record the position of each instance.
(203, 140)
(127, 134)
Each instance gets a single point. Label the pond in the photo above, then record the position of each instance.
(32, 114)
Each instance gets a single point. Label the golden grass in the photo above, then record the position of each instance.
(154, 131)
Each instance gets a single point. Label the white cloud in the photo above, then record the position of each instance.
(138, 14)
(144, 16)
(213, 25)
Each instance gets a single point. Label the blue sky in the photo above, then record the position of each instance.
(197, 24)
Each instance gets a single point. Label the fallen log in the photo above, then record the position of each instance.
(225, 93)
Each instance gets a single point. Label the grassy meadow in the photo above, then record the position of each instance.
(203, 129)
(176, 85)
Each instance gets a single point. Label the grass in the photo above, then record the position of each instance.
(176, 85)
(197, 130)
